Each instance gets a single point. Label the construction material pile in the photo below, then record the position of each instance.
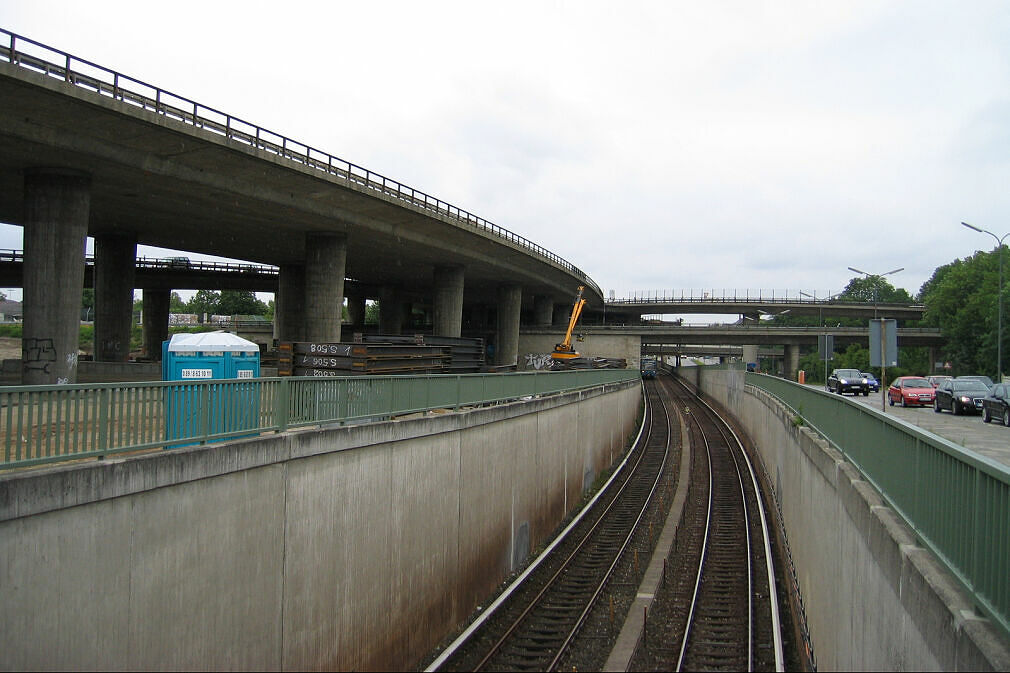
(379, 354)
(590, 363)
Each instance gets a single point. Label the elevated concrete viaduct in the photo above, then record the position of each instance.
(628, 341)
(99, 153)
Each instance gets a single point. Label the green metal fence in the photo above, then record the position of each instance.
(957, 502)
(46, 424)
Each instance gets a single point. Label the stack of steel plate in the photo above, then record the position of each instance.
(590, 363)
(304, 358)
(465, 354)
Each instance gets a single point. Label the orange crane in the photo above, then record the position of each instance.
(564, 350)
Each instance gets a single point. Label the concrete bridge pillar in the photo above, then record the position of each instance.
(56, 209)
(115, 270)
(356, 311)
(562, 314)
(791, 361)
(289, 304)
(510, 300)
(325, 260)
(447, 302)
(750, 354)
(156, 303)
(543, 311)
(392, 311)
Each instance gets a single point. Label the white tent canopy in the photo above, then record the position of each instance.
(211, 341)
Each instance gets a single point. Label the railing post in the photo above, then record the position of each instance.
(282, 404)
(103, 419)
(205, 410)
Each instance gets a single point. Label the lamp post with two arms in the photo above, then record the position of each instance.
(999, 299)
(883, 349)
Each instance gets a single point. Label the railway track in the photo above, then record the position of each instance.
(540, 623)
(719, 611)
(717, 608)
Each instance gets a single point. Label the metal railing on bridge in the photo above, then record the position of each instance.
(40, 58)
(723, 296)
(11, 255)
(46, 424)
(957, 502)
(730, 296)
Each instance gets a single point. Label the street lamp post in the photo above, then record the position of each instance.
(999, 299)
(883, 349)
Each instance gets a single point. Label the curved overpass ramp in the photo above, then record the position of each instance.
(158, 169)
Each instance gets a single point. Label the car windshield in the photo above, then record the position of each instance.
(866, 375)
(848, 374)
(917, 383)
(970, 387)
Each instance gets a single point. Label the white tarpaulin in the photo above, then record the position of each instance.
(211, 341)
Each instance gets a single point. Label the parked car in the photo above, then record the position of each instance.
(997, 404)
(847, 381)
(871, 381)
(910, 391)
(960, 396)
(937, 379)
(984, 379)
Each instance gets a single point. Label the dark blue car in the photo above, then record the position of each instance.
(872, 382)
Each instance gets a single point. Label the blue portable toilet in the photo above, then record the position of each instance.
(193, 410)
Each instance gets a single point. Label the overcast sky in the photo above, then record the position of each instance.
(675, 145)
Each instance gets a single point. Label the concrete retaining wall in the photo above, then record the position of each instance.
(535, 347)
(340, 548)
(874, 599)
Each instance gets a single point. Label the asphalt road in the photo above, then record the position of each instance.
(988, 439)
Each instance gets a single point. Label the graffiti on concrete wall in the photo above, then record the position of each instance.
(539, 361)
(38, 354)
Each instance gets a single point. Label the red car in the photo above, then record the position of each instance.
(911, 391)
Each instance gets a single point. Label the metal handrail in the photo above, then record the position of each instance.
(742, 296)
(52, 423)
(954, 500)
(151, 98)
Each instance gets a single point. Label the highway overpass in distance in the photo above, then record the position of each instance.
(753, 306)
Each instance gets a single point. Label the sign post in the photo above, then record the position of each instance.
(883, 351)
(826, 351)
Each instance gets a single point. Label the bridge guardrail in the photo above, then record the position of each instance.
(957, 502)
(52, 423)
(131, 91)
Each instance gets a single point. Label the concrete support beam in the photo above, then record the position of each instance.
(289, 304)
(156, 303)
(750, 354)
(56, 210)
(392, 311)
(510, 300)
(447, 319)
(325, 259)
(543, 311)
(115, 269)
(791, 361)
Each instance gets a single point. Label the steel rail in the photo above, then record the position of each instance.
(624, 546)
(723, 427)
(701, 558)
(465, 636)
(587, 538)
